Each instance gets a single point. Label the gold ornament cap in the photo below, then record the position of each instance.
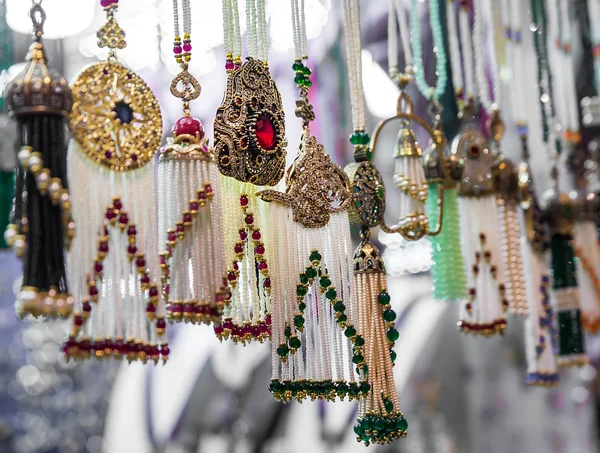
(38, 88)
(406, 144)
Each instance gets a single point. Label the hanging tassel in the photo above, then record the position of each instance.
(190, 225)
(379, 420)
(481, 239)
(7, 189)
(447, 271)
(587, 253)
(315, 338)
(409, 177)
(42, 227)
(250, 147)
(114, 262)
(507, 187)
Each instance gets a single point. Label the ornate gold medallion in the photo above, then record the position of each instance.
(250, 127)
(471, 146)
(368, 194)
(116, 119)
(316, 189)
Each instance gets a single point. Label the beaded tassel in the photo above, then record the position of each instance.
(379, 419)
(571, 346)
(587, 253)
(41, 225)
(114, 262)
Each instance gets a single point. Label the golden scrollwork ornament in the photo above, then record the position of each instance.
(114, 262)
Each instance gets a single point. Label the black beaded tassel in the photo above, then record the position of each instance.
(41, 224)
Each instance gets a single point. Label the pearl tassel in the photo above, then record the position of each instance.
(588, 273)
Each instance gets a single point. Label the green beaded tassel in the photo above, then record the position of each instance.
(7, 190)
(571, 346)
(448, 267)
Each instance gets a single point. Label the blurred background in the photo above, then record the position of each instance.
(460, 394)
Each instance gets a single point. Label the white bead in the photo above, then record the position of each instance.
(23, 156)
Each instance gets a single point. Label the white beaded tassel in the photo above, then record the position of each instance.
(539, 324)
(190, 225)
(588, 274)
(513, 256)
(308, 341)
(246, 315)
(113, 265)
(482, 252)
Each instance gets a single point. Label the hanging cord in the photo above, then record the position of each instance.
(397, 19)
(483, 32)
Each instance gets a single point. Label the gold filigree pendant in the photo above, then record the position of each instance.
(250, 127)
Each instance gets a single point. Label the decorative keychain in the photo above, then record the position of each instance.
(540, 331)
(558, 215)
(585, 233)
(250, 147)
(481, 234)
(190, 212)
(42, 227)
(379, 419)
(442, 170)
(114, 263)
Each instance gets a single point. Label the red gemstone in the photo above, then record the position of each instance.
(256, 235)
(161, 323)
(131, 231)
(238, 249)
(123, 219)
(244, 200)
(265, 132)
(78, 321)
(268, 320)
(218, 331)
(132, 249)
(87, 307)
(177, 49)
(260, 250)
(474, 150)
(93, 291)
(98, 268)
(249, 219)
(150, 308)
(231, 276)
(145, 280)
(103, 247)
(262, 328)
(180, 229)
(110, 214)
(472, 291)
(228, 324)
(171, 236)
(267, 283)
(243, 235)
(201, 195)
(175, 308)
(167, 289)
(262, 266)
(187, 218)
(153, 292)
(188, 125)
(187, 47)
(117, 204)
(140, 262)
(163, 260)
(208, 189)
(187, 308)
(165, 351)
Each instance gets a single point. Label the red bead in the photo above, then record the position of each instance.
(110, 214)
(260, 250)
(153, 292)
(117, 204)
(229, 66)
(167, 289)
(231, 276)
(193, 206)
(474, 150)
(243, 235)
(472, 291)
(187, 308)
(244, 200)
(131, 231)
(177, 49)
(218, 330)
(165, 351)
(265, 132)
(150, 308)
(180, 229)
(123, 219)
(187, 218)
(140, 262)
(208, 189)
(262, 328)
(108, 154)
(187, 47)
(267, 283)
(249, 220)
(103, 247)
(98, 267)
(268, 320)
(256, 235)
(105, 3)
(161, 323)
(171, 236)
(188, 125)
(145, 280)
(87, 307)
(175, 308)
(236, 266)
(163, 260)
(263, 266)
(238, 249)
(202, 195)
(78, 321)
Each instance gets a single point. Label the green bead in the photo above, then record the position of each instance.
(303, 278)
(339, 306)
(369, 153)
(358, 203)
(378, 423)
(358, 429)
(365, 387)
(350, 331)
(389, 406)
(307, 83)
(299, 79)
(311, 273)
(287, 331)
(384, 298)
(315, 256)
(359, 341)
(358, 359)
(298, 66)
(295, 342)
(301, 306)
(342, 318)
(325, 282)
(401, 424)
(301, 290)
(393, 355)
(331, 294)
(353, 389)
(306, 71)
(366, 369)
(364, 139)
(380, 192)
(389, 315)
(392, 335)
(355, 138)
(299, 321)
(283, 350)
(356, 189)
